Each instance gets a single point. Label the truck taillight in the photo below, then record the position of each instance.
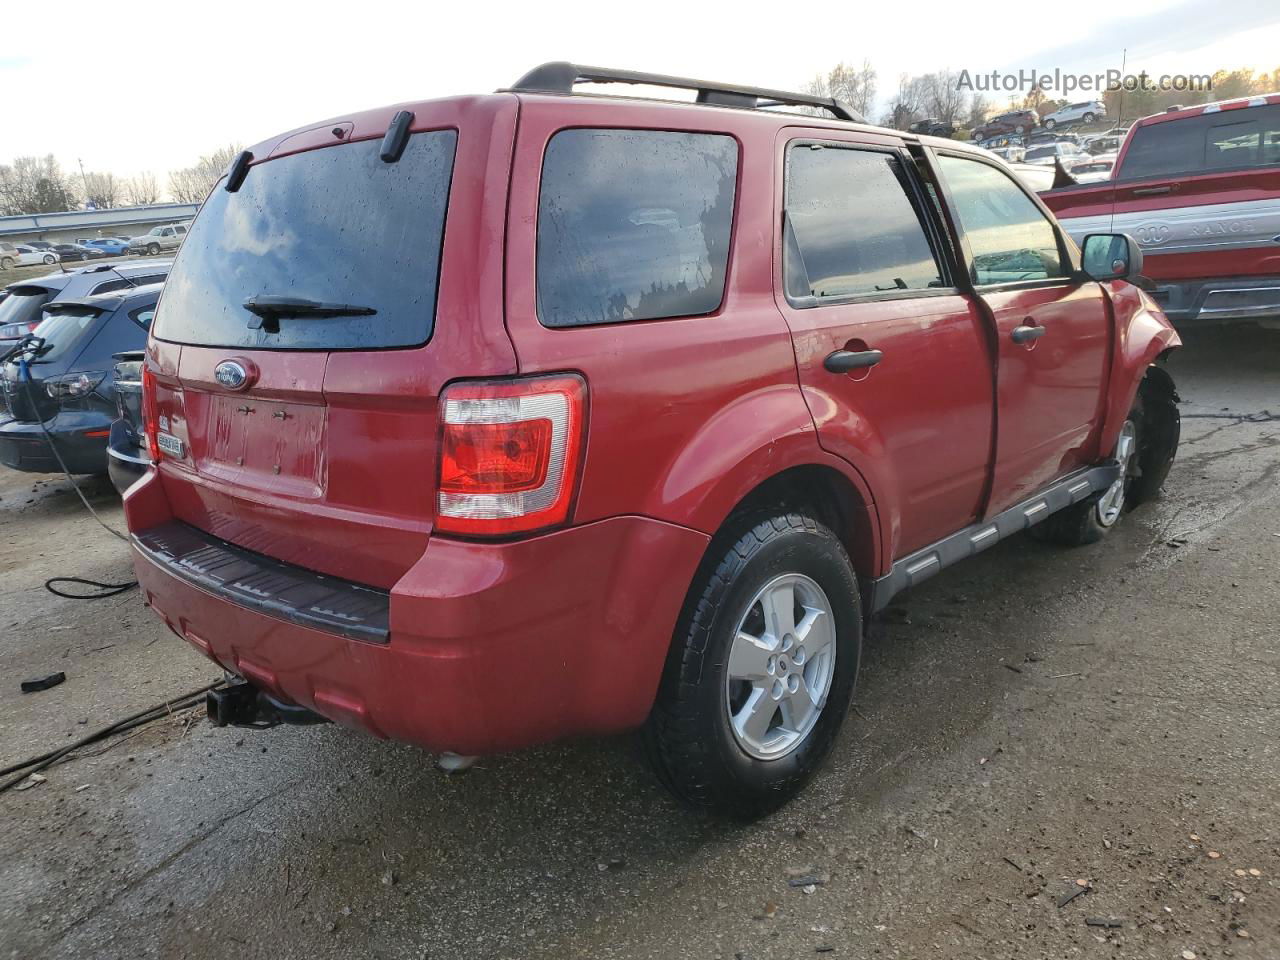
(150, 414)
(509, 454)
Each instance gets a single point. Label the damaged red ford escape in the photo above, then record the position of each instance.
(484, 421)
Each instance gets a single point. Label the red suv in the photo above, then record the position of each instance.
(1016, 121)
(491, 420)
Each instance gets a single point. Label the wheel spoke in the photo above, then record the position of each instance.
(752, 721)
(797, 709)
(749, 657)
(779, 610)
(815, 632)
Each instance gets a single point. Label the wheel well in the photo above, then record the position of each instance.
(833, 498)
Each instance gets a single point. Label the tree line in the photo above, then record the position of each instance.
(40, 185)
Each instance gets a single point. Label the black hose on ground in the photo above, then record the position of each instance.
(160, 710)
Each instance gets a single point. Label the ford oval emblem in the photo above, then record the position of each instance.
(231, 374)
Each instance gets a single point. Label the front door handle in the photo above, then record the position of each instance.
(842, 361)
(1025, 334)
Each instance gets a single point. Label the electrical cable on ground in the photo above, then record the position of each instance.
(160, 710)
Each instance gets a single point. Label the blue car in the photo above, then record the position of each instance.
(112, 246)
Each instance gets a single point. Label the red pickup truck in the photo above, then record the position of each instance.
(1200, 191)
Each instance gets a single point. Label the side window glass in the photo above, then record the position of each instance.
(142, 316)
(853, 227)
(633, 225)
(1009, 237)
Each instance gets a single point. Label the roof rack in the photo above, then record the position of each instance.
(560, 77)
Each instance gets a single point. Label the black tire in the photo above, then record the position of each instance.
(1157, 426)
(50, 258)
(1019, 129)
(6, 263)
(688, 738)
(153, 249)
(1089, 118)
(1050, 124)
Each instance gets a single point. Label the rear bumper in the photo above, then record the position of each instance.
(491, 646)
(1216, 301)
(23, 445)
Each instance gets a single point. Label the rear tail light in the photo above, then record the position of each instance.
(509, 454)
(150, 415)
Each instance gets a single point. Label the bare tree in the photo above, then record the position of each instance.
(904, 108)
(856, 86)
(102, 190)
(979, 107)
(943, 97)
(192, 184)
(141, 190)
(34, 185)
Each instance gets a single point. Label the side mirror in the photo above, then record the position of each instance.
(1111, 256)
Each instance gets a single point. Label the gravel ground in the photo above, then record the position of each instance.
(1036, 723)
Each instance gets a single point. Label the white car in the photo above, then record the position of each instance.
(1094, 169)
(1046, 153)
(30, 256)
(1086, 112)
(1010, 154)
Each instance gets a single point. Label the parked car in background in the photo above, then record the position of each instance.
(1048, 136)
(22, 304)
(1200, 191)
(1011, 154)
(1094, 169)
(68, 394)
(30, 256)
(73, 252)
(1087, 111)
(39, 244)
(1036, 176)
(1015, 121)
(1103, 144)
(111, 246)
(127, 445)
(159, 239)
(1046, 153)
(933, 127)
(829, 434)
(8, 255)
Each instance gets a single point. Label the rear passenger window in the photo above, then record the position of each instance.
(852, 226)
(633, 225)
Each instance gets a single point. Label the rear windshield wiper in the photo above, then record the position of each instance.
(271, 308)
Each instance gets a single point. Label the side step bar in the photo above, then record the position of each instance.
(919, 566)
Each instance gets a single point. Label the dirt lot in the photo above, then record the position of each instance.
(1033, 719)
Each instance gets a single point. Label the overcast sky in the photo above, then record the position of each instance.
(129, 87)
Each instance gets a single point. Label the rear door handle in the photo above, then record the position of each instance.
(1025, 334)
(842, 361)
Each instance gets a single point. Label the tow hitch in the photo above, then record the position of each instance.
(244, 705)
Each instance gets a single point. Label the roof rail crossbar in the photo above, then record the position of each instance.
(560, 77)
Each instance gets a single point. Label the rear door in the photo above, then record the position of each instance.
(1053, 329)
(312, 438)
(866, 283)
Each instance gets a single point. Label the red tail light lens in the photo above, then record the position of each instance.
(150, 415)
(509, 454)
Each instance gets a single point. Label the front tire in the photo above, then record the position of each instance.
(153, 249)
(1089, 118)
(50, 258)
(1050, 124)
(6, 263)
(762, 667)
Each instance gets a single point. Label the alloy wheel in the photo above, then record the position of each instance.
(781, 664)
(1112, 502)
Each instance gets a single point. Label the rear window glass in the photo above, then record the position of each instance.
(23, 304)
(64, 331)
(633, 225)
(334, 226)
(1227, 140)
